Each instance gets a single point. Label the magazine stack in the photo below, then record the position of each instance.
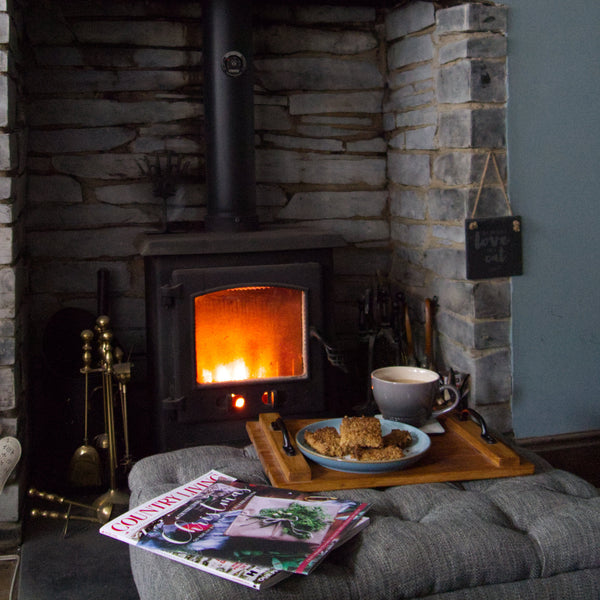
(252, 534)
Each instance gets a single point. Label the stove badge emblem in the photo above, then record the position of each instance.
(234, 63)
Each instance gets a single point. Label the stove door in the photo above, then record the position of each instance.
(244, 332)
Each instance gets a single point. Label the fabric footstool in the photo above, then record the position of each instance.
(533, 537)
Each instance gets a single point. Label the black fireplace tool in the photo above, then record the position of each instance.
(164, 179)
(334, 355)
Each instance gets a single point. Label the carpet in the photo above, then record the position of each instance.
(84, 565)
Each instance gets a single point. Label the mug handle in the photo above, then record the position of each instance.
(446, 409)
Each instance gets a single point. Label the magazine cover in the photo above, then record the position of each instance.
(253, 534)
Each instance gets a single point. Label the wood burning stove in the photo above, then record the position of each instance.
(230, 309)
(233, 325)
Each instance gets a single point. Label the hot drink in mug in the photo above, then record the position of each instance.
(408, 394)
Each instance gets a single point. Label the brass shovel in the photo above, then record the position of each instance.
(85, 469)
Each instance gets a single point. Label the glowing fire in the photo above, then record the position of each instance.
(249, 333)
(234, 371)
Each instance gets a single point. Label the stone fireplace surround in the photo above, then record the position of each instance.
(372, 122)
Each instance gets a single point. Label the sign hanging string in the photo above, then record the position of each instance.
(487, 162)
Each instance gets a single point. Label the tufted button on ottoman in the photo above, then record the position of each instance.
(534, 537)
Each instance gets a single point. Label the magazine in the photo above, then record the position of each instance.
(255, 535)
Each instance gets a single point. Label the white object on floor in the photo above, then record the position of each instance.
(432, 427)
(10, 454)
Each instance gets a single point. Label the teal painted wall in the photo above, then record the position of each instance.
(554, 183)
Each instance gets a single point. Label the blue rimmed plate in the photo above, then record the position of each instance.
(419, 446)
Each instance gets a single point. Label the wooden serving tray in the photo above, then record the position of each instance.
(460, 454)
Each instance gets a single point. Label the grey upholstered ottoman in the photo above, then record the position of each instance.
(533, 537)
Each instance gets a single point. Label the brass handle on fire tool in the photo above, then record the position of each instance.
(102, 513)
(51, 514)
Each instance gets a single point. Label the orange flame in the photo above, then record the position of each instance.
(249, 333)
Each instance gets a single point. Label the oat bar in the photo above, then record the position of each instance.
(397, 437)
(374, 454)
(325, 440)
(363, 432)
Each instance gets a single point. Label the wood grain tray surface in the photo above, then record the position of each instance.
(459, 454)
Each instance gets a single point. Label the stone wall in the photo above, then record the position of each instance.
(13, 314)
(103, 98)
(444, 112)
(108, 86)
(370, 122)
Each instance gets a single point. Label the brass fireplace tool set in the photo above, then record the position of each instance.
(85, 466)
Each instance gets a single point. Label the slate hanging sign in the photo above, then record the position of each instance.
(493, 247)
(493, 244)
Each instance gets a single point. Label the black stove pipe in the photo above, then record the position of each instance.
(229, 115)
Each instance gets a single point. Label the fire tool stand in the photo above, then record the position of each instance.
(113, 496)
(113, 501)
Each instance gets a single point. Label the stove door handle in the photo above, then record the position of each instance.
(279, 425)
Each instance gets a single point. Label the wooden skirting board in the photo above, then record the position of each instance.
(459, 454)
(577, 452)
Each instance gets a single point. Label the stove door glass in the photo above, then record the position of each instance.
(250, 333)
